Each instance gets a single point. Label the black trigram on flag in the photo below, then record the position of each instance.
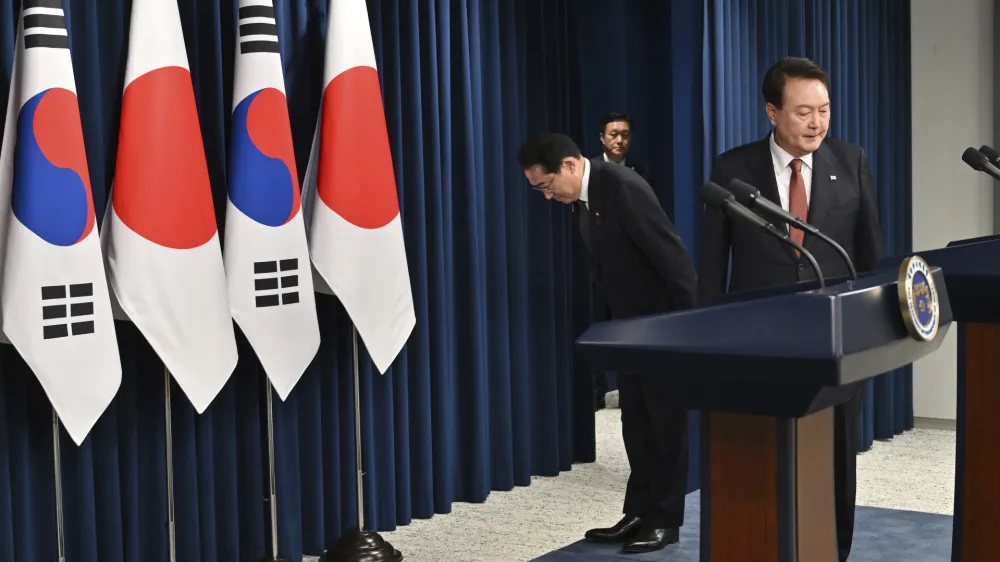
(276, 282)
(258, 30)
(67, 309)
(45, 29)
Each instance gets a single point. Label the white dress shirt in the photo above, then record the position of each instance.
(783, 172)
(584, 191)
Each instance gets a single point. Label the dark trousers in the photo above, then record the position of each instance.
(846, 418)
(603, 382)
(656, 442)
(600, 388)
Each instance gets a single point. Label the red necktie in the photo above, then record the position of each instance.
(797, 204)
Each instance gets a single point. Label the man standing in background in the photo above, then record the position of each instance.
(640, 266)
(827, 184)
(616, 141)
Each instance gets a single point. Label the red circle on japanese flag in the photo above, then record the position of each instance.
(355, 177)
(161, 190)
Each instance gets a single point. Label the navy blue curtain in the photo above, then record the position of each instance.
(489, 390)
(484, 395)
(865, 46)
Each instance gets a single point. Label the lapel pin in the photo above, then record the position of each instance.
(597, 215)
(833, 177)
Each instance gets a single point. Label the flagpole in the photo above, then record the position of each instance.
(170, 468)
(361, 544)
(60, 528)
(275, 557)
(357, 433)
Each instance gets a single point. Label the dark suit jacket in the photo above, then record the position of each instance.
(842, 205)
(632, 163)
(638, 261)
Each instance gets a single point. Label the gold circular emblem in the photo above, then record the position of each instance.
(918, 298)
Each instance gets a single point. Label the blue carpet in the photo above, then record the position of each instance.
(880, 535)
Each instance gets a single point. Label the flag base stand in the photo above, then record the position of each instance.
(362, 546)
(278, 559)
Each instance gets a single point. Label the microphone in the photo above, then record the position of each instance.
(749, 196)
(714, 195)
(992, 155)
(979, 162)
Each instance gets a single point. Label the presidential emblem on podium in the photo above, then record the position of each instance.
(918, 298)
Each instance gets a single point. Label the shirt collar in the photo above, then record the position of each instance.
(586, 180)
(781, 158)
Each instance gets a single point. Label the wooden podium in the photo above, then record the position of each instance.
(766, 369)
(972, 272)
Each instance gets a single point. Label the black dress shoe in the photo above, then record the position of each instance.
(621, 531)
(652, 539)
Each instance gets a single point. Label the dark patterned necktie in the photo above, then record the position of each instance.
(583, 220)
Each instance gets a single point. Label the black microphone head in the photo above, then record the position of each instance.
(988, 151)
(975, 159)
(743, 191)
(714, 195)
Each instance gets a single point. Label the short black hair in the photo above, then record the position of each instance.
(615, 116)
(547, 150)
(790, 67)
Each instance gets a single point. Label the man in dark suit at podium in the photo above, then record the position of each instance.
(640, 266)
(829, 185)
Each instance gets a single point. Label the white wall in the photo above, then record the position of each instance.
(952, 64)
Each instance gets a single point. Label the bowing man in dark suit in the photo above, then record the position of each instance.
(641, 267)
(828, 183)
(616, 143)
